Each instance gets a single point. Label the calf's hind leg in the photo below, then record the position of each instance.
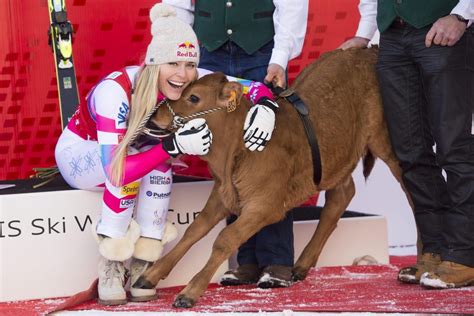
(337, 200)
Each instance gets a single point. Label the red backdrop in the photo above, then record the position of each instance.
(109, 34)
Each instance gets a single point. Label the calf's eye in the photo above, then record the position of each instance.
(193, 99)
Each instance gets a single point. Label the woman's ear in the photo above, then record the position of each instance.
(231, 94)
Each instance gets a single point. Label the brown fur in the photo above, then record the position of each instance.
(341, 91)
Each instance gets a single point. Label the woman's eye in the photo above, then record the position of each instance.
(193, 99)
(173, 64)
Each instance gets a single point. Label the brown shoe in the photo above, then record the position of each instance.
(448, 275)
(428, 262)
(275, 276)
(245, 274)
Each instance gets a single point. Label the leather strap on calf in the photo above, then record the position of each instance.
(303, 111)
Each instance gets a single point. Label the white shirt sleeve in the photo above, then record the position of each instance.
(368, 19)
(289, 19)
(202, 72)
(184, 9)
(465, 8)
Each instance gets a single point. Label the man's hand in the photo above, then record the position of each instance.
(356, 41)
(259, 124)
(446, 31)
(194, 138)
(276, 75)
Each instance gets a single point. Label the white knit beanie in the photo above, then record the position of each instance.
(173, 40)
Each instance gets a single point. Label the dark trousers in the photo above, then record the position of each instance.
(428, 96)
(274, 243)
(234, 61)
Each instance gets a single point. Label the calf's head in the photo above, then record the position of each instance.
(210, 97)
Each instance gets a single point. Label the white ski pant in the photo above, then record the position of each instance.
(79, 162)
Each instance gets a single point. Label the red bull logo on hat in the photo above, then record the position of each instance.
(186, 49)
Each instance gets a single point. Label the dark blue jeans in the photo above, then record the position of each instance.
(428, 95)
(274, 243)
(234, 61)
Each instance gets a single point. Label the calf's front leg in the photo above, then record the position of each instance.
(227, 242)
(213, 212)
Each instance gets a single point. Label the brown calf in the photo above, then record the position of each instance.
(341, 91)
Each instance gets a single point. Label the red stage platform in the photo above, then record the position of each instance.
(330, 289)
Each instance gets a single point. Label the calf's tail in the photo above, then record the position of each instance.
(368, 162)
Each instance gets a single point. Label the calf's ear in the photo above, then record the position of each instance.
(230, 95)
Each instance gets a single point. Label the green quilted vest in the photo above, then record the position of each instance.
(248, 23)
(418, 13)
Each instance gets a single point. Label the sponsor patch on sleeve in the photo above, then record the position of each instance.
(130, 189)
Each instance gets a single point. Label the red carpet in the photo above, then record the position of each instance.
(328, 289)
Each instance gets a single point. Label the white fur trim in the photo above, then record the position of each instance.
(120, 249)
(148, 249)
(169, 234)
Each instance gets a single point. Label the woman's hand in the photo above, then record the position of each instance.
(194, 138)
(259, 124)
(358, 42)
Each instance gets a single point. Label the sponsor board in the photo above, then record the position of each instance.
(53, 230)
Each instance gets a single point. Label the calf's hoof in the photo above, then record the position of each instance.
(182, 301)
(299, 275)
(143, 283)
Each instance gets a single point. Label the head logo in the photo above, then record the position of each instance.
(186, 49)
(149, 193)
(186, 45)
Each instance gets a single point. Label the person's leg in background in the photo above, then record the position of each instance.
(405, 109)
(248, 271)
(448, 77)
(275, 253)
(274, 245)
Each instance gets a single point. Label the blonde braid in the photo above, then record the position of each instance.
(143, 104)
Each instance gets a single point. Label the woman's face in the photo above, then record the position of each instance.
(175, 77)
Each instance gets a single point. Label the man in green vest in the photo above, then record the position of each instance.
(426, 75)
(252, 40)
